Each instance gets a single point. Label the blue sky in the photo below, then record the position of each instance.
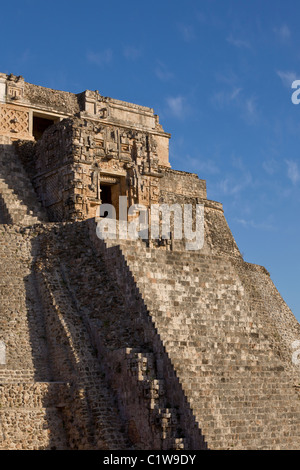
(218, 73)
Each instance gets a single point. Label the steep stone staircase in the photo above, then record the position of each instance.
(91, 417)
(127, 359)
(18, 200)
(222, 342)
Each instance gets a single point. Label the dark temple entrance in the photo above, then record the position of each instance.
(39, 125)
(106, 194)
(111, 188)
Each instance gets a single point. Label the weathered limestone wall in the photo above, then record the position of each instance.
(223, 344)
(179, 186)
(21, 327)
(274, 312)
(29, 418)
(51, 100)
(54, 174)
(53, 392)
(218, 237)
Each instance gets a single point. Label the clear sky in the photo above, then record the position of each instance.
(218, 73)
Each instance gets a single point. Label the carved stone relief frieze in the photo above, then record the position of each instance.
(13, 120)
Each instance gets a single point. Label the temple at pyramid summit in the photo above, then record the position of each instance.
(123, 343)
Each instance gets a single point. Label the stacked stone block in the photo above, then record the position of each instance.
(29, 417)
(90, 414)
(127, 359)
(223, 344)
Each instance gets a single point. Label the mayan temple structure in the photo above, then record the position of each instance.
(122, 343)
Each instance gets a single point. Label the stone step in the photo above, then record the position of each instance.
(208, 322)
(18, 201)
